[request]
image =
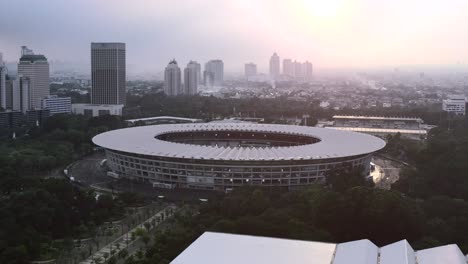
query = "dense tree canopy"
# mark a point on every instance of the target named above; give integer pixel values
(37, 212)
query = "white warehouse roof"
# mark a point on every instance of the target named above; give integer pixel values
(215, 248)
(333, 143)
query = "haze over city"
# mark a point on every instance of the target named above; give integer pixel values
(331, 34)
(233, 131)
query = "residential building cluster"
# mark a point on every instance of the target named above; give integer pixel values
(213, 75)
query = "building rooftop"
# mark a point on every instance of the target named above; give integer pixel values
(378, 118)
(333, 143)
(382, 130)
(193, 120)
(215, 248)
(33, 58)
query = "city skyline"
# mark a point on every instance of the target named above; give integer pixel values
(330, 35)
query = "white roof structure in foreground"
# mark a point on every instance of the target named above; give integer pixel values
(215, 248)
(333, 143)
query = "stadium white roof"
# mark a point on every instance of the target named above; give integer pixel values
(215, 248)
(333, 144)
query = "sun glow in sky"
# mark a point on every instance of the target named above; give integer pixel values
(324, 8)
(330, 33)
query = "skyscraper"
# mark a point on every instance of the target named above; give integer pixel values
(191, 78)
(199, 72)
(274, 66)
(308, 70)
(172, 79)
(3, 72)
(288, 68)
(36, 69)
(18, 93)
(108, 73)
(250, 70)
(216, 68)
(298, 71)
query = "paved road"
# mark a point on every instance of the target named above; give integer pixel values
(125, 241)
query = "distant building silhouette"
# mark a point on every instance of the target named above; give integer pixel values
(288, 68)
(191, 76)
(172, 79)
(250, 70)
(215, 69)
(274, 66)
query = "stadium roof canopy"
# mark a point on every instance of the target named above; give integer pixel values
(332, 144)
(382, 130)
(378, 118)
(214, 248)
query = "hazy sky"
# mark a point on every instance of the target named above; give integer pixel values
(330, 33)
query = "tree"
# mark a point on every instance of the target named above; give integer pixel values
(123, 253)
(146, 239)
(147, 226)
(342, 179)
(112, 260)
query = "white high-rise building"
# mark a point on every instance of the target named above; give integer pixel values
(215, 69)
(298, 71)
(274, 66)
(172, 79)
(191, 78)
(36, 69)
(288, 68)
(250, 70)
(18, 93)
(308, 70)
(199, 72)
(455, 104)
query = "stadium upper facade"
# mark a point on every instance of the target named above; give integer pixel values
(225, 155)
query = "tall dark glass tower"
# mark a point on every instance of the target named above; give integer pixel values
(108, 73)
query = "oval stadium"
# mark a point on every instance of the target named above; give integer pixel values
(222, 156)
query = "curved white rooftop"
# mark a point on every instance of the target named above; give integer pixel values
(333, 144)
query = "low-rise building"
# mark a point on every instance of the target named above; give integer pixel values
(57, 105)
(93, 110)
(455, 104)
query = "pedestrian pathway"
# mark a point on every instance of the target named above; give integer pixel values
(122, 241)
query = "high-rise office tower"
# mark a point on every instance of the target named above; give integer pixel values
(108, 73)
(274, 66)
(172, 79)
(216, 68)
(298, 71)
(250, 70)
(199, 72)
(36, 68)
(3, 74)
(288, 68)
(208, 78)
(18, 96)
(191, 78)
(308, 70)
